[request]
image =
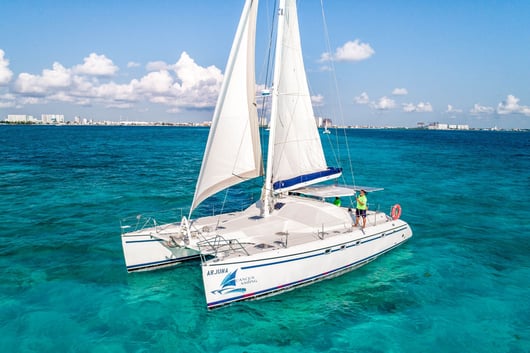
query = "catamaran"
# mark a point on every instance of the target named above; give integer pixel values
(290, 236)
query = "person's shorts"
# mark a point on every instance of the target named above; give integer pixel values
(359, 212)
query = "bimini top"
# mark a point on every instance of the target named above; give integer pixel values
(325, 191)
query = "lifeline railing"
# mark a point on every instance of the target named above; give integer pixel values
(218, 246)
(143, 221)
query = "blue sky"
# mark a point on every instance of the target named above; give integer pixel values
(396, 62)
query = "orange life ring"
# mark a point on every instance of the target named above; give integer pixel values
(396, 211)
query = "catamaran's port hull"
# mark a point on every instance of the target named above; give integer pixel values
(145, 252)
(273, 272)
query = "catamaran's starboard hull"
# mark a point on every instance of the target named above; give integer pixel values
(144, 252)
(261, 275)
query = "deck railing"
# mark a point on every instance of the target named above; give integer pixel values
(220, 247)
(143, 221)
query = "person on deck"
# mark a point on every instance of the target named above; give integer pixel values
(337, 201)
(360, 211)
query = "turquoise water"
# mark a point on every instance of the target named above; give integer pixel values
(461, 284)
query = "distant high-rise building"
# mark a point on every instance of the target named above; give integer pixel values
(52, 118)
(20, 118)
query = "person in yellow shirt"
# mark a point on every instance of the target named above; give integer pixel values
(362, 206)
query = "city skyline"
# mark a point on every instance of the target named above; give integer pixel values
(395, 64)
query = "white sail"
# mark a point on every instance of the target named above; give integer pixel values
(297, 152)
(233, 152)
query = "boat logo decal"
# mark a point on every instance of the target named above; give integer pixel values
(229, 284)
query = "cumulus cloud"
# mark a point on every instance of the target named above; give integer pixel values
(362, 98)
(156, 66)
(400, 92)
(157, 82)
(511, 106)
(481, 109)
(350, 51)
(132, 64)
(180, 86)
(196, 86)
(421, 107)
(317, 100)
(193, 75)
(451, 109)
(384, 103)
(7, 100)
(50, 81)
(96, 65)
(5, 72)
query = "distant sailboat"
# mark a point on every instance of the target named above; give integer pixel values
(290, 237)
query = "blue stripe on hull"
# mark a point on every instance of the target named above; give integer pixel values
(144, 241)
(158, 264)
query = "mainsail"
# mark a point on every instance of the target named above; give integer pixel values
(294, 144)
(233, 151)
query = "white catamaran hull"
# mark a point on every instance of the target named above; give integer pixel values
(272, 272)
(146, 252)
(158, 246)
(153, 246)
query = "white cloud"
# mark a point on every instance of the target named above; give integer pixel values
(50, 80)
(5, 72)
(511, 106)
(424, 107)
(112, 92)
(131, 64)
(180, 86)
(6, 104)
(384, 103)
(481, 109)
(408, 107)
(156, 66)
(451, 109)
(421, 107)
(196, 86)
(7, 100)
(350, 51)
(362, 99)
(96, 65)
(192, 74)
(400, 92)
(317, 100)
(158, 82)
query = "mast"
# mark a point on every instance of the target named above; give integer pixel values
(267, 188)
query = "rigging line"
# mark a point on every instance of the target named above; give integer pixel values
(265, 101)
(228, 190)
(341, 111)
(333, 146)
